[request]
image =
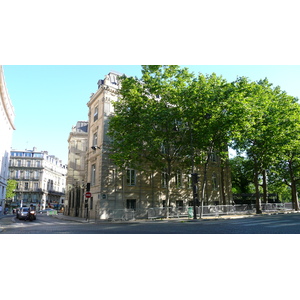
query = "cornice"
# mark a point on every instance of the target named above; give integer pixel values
(103, 88)
(6, 100)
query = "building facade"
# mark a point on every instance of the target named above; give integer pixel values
(74, 202)
(113, 189)
(41, 179)
(7, 116)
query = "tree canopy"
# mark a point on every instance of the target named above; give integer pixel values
(172, 119)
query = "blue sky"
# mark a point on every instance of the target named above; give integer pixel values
(50, 99)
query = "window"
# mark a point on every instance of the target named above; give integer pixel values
(164, 179)
(93, 175)
(214, 182)
(131, 204)
(36, 174)
(131, 177)
(26, 185)
(38, 164)
(96, 113)
(26, 175)
(178, 179)
(36, 186)
(28, 163)
(179, 203)
(17, 175)
(77, 163)
(95, 139)
(213, 157)
(16, 153)
(19, 163)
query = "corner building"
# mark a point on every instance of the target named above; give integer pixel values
(7, 116)
(74, 202)
(113, 189)
(41, 179)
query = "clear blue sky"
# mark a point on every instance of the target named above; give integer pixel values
(50, 99)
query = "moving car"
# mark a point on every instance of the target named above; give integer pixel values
(23, 212)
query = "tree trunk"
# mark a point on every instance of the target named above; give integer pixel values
(295, 196)
(168, 188)
(293, 187)
(258, 203)
(223, 183)
(203, 187)
(265, 191)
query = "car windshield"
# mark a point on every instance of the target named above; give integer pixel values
(25, 209)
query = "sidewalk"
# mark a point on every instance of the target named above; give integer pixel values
(174, 219)
(93, 221)
(73, 219)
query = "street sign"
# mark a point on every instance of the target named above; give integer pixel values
(88, 195)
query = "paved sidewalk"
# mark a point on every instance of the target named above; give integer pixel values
(73, 219)
(183, 219)
(93, 221)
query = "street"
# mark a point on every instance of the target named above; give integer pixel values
(262, 224)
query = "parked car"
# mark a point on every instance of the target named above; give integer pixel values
(44, 211)
(23, 212)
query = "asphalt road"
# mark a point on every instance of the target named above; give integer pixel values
(263, 224)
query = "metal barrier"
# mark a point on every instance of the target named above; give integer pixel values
(122, 214)
(188, 212)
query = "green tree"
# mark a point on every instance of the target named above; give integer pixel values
(241, 175)
(10, 189)
(262, 137)
(146, 129)
(286, 169)
(214, 111)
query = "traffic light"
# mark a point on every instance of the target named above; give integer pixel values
(88, 187)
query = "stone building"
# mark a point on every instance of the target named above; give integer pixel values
(7, 116)
(114, 189)
(41, 178)
(77, 140)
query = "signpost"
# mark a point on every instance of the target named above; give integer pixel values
(87, 196)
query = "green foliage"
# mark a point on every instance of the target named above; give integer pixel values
(171, 118)
(241, 175)
(10, 188)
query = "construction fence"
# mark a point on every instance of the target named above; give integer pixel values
(188, 211)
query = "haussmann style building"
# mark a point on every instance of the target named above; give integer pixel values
(41, 179)
(7, 116)
(113, 189)
(76, 175)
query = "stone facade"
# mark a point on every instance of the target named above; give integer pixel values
(114, 189)
(41, 178)
(7, 116)
(74, 203)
